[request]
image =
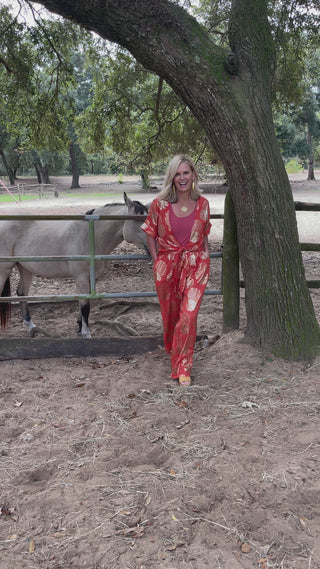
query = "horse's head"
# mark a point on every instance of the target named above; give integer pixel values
(132, 231)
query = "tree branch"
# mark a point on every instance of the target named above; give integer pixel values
(161, 35)
(5, 65)
(156, 112)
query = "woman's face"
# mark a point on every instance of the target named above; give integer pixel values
(183, 178)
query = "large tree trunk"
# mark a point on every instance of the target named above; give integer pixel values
(41, 169)
(74, 167)
(38, 173)
(229, 91)
(45, 175)
(7, 167)
(42, 173)
(311, 175)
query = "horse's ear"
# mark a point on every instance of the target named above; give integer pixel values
(127, 201)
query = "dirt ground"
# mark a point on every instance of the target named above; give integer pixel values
(106, 463)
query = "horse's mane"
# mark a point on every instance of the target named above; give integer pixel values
(139, 208)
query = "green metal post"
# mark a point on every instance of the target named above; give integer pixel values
(92, 260)
(230, 265)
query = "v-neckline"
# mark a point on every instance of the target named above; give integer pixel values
(183, 216)
(194, 211)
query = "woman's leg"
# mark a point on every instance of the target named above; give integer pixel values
(183, 344)
(185, 332)
(170, 309)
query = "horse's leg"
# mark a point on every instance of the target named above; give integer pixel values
(83, 318)
(83, 287)
(79, 320)
(23, 290)
(5, 307)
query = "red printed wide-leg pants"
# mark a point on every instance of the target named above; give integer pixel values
(179, 309)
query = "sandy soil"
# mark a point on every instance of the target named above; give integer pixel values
(107, 464)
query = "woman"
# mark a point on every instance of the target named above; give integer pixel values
(177, 228)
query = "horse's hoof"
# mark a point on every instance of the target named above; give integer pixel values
(36, 330)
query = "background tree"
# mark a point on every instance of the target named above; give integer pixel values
(230, 93)
(38, 85)
(134, 120)
(134, 115)
(310, 108)
(297, 85)
(16, 64)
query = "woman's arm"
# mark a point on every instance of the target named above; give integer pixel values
(152, 246)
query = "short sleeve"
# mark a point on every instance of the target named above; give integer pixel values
(150, 225)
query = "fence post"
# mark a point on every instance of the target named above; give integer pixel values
(230, 267)
(92, 253)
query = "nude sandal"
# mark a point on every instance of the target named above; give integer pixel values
(185, 380)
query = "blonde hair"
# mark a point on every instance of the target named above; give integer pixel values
(167, 193)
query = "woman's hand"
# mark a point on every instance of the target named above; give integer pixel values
(152, 246)
(206, 245)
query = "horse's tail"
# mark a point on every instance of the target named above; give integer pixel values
(5, 307)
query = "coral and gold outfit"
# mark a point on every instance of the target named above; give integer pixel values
(181, 274)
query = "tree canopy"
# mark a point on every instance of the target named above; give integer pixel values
(124, 112)
(81, 90)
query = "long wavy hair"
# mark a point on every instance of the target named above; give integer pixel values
(168, 193)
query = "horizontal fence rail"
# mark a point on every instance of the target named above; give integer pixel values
(303, 206)
(40, 190)
(230, 280)
(91, 258)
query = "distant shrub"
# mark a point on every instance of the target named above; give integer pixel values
(294, 166)
(120, 178)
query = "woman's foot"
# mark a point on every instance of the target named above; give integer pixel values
(185, 380)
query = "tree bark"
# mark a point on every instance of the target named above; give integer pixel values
(145, 180)
(311, 175)
(229, 91)
(7, 167)
(38, 173)
(74, 167)
(41, 170)
(45, 179)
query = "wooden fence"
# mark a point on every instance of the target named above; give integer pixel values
(39, 190)
(230, 290)
(231, 273)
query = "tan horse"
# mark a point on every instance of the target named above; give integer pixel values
(50, 238)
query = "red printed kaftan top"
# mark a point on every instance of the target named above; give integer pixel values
(175, 261)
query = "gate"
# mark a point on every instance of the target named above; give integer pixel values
(44, 347)
(231, 279)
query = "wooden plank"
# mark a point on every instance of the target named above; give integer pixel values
(230, 264)
(310, 284)
(310, 246)
(304, 206)
(313, 284)
(41, 348)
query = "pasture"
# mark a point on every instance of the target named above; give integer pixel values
(107, 464)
